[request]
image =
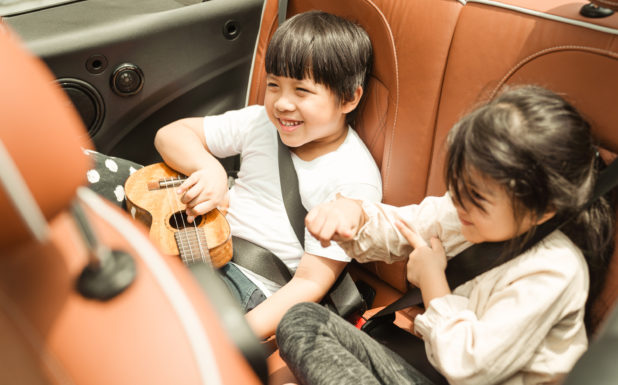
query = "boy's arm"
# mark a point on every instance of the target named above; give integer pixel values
(312, 280)
(183, 147)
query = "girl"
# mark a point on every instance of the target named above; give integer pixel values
(512, 164)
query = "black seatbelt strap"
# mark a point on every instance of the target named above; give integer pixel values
(290, 193)
(283, 10)
(344, 297)
(481, 257)
(260, 261)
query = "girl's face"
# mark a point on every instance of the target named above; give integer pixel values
(495, 221)
(307, 115)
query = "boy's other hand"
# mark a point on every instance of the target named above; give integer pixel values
(337, 221)
(202, 192)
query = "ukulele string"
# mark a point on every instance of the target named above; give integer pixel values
(203, 256)
(172, 201)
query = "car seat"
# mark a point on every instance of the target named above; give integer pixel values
(434, 60)
(143, 318)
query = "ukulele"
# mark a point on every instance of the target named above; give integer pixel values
(152, 200)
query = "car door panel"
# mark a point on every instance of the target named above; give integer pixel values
(194, 59)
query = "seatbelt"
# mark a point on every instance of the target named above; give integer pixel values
(289, 191)
(466, 265)
(481, 257)
(260, 261)
(344, 297)
(283, 10)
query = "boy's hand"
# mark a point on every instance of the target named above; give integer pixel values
(338, 220)
(426, 262)
(202, 191)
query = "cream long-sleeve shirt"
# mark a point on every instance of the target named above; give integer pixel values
(519, 323)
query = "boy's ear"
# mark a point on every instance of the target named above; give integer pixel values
(350, 105)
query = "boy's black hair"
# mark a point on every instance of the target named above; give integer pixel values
(540, 150)
(329, 49)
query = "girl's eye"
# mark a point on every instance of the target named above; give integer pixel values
(477, 197)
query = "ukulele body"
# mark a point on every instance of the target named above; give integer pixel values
(159, 208)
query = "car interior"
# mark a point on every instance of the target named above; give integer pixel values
(128, 68)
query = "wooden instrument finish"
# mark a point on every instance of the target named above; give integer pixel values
(152, 199)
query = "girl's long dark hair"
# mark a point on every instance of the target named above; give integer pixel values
(540, 150)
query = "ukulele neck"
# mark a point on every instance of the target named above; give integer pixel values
(192, 245)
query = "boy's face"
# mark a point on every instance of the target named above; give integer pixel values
(307, 115)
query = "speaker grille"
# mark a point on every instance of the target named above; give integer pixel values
(87, 101)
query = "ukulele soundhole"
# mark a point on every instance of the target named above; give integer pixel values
(179, 221)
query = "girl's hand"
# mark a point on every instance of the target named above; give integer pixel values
(202, 192)
(338, 220)
(425, 261)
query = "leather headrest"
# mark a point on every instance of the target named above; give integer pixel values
(42, 133)
(378, 113)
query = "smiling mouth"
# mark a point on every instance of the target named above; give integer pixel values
(464, 222)
(289, 125)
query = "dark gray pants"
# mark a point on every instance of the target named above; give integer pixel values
(321, 348)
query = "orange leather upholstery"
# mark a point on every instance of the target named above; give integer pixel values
(546, 43)
(411, 40)
(436, 60)
(162, 329)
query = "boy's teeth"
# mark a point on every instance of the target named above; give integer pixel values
(286, 123)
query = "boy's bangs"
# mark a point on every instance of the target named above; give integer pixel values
(290, 58)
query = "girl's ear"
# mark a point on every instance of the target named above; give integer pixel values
(350, 105)
(547, 216)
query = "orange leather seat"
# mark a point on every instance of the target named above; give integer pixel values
(160, 329)
(436, 60)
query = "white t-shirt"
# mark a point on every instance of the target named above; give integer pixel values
(519, 323)
(257, 212)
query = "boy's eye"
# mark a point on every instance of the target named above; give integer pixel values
(300, 89)
(271, 84)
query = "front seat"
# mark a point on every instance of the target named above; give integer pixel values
(85, 298)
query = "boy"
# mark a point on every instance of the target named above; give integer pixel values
(317, 65)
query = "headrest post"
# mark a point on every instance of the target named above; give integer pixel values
(18, 192)
(108, 272)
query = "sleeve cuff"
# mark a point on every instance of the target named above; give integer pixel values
(439, 309)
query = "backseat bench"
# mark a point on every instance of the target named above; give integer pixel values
(437, 59)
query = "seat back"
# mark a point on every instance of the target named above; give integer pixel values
(161, 329)
(549, 44)
(396, 119)
(436, 60)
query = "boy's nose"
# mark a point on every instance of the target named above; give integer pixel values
(284, 104)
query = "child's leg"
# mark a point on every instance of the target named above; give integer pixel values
(241, 287)
(321, 348)
(108, 175)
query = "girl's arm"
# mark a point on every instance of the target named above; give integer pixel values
(526, 315)
(368, 231)
(312, 280)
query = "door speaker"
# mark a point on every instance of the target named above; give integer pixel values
(87, 101)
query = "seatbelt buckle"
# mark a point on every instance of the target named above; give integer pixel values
(359, 322)
(374, 321)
